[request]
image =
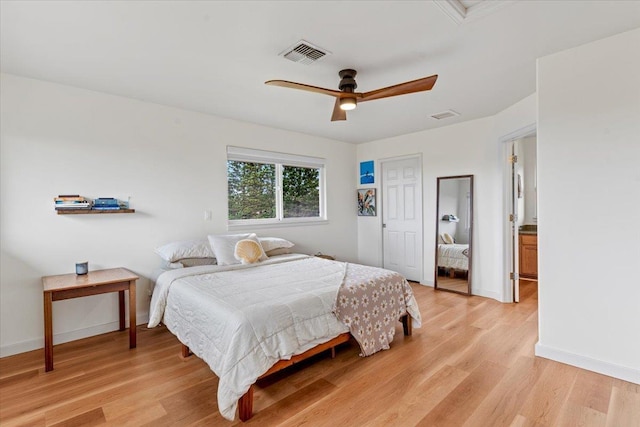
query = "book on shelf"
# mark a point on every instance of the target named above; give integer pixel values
(105, 201)
(73, 208)
(72, 203)
(69, 197)
(106, 208)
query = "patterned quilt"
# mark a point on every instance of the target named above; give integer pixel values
(370, 302)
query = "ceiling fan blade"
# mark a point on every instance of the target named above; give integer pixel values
(338, 113)
(309, 88)
(419, 85)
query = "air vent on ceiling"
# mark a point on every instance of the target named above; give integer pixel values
(445, 115)
(304, 53)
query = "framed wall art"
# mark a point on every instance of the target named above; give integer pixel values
(367, 175)
(367, 202)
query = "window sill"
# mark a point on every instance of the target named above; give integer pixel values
(244, 225)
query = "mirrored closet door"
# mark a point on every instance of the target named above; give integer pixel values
(454, 231)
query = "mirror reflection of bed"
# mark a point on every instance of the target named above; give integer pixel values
(454, 229)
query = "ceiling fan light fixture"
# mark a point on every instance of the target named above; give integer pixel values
(347, 104)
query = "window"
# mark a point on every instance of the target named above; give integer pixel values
(266, 187)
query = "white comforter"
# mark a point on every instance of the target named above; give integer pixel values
(219, 312)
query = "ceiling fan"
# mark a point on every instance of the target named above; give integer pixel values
(347, 99)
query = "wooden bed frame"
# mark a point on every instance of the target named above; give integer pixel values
(245, 403)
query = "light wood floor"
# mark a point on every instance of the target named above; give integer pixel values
(470, 364)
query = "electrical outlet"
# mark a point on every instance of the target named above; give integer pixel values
(207, 215)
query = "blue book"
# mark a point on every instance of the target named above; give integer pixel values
(103, 201)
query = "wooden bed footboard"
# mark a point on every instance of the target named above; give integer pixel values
(245, 403)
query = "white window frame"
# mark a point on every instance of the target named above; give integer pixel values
(280, 160)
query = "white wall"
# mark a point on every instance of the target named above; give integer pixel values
(588, 186)
(57, 139)
(472, 147)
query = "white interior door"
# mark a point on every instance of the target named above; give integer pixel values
(402, 216)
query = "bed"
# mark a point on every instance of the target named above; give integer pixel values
(246, 321)
(453, 256)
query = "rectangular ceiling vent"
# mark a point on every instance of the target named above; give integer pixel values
(304, 53)
(445, 115)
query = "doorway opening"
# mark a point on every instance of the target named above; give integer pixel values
(520, 211)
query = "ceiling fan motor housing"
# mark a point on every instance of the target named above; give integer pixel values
(347, 82)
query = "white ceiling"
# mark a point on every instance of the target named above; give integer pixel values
(214, 57)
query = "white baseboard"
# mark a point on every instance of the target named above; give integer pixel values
(38, 343)
(584, 362)
(487, 294)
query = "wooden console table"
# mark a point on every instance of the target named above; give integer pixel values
(66, 286)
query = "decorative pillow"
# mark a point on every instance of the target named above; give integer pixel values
(175, 251)
(279, 251)
(271, 243)
(224, 246)
(447, 238)
(248, 251)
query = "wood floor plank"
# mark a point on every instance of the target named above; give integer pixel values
(624, 406)
(461, 402)
(94, 417)
(592, 390)
(280, 412)
(549, 394)
(521, 421)
(574, 415)
(502, 404)
(420, 400)
(142, 414)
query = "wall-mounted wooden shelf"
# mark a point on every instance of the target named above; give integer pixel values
(93, 211)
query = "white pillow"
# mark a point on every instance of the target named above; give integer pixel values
(224, 246)
(279, 251)
(271, 243)
(447, 238)
(175, 251)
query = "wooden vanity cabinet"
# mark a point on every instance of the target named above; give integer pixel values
(528, 256)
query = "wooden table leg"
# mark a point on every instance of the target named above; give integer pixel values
(48, 332)
(132, 314)
(121, 309)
